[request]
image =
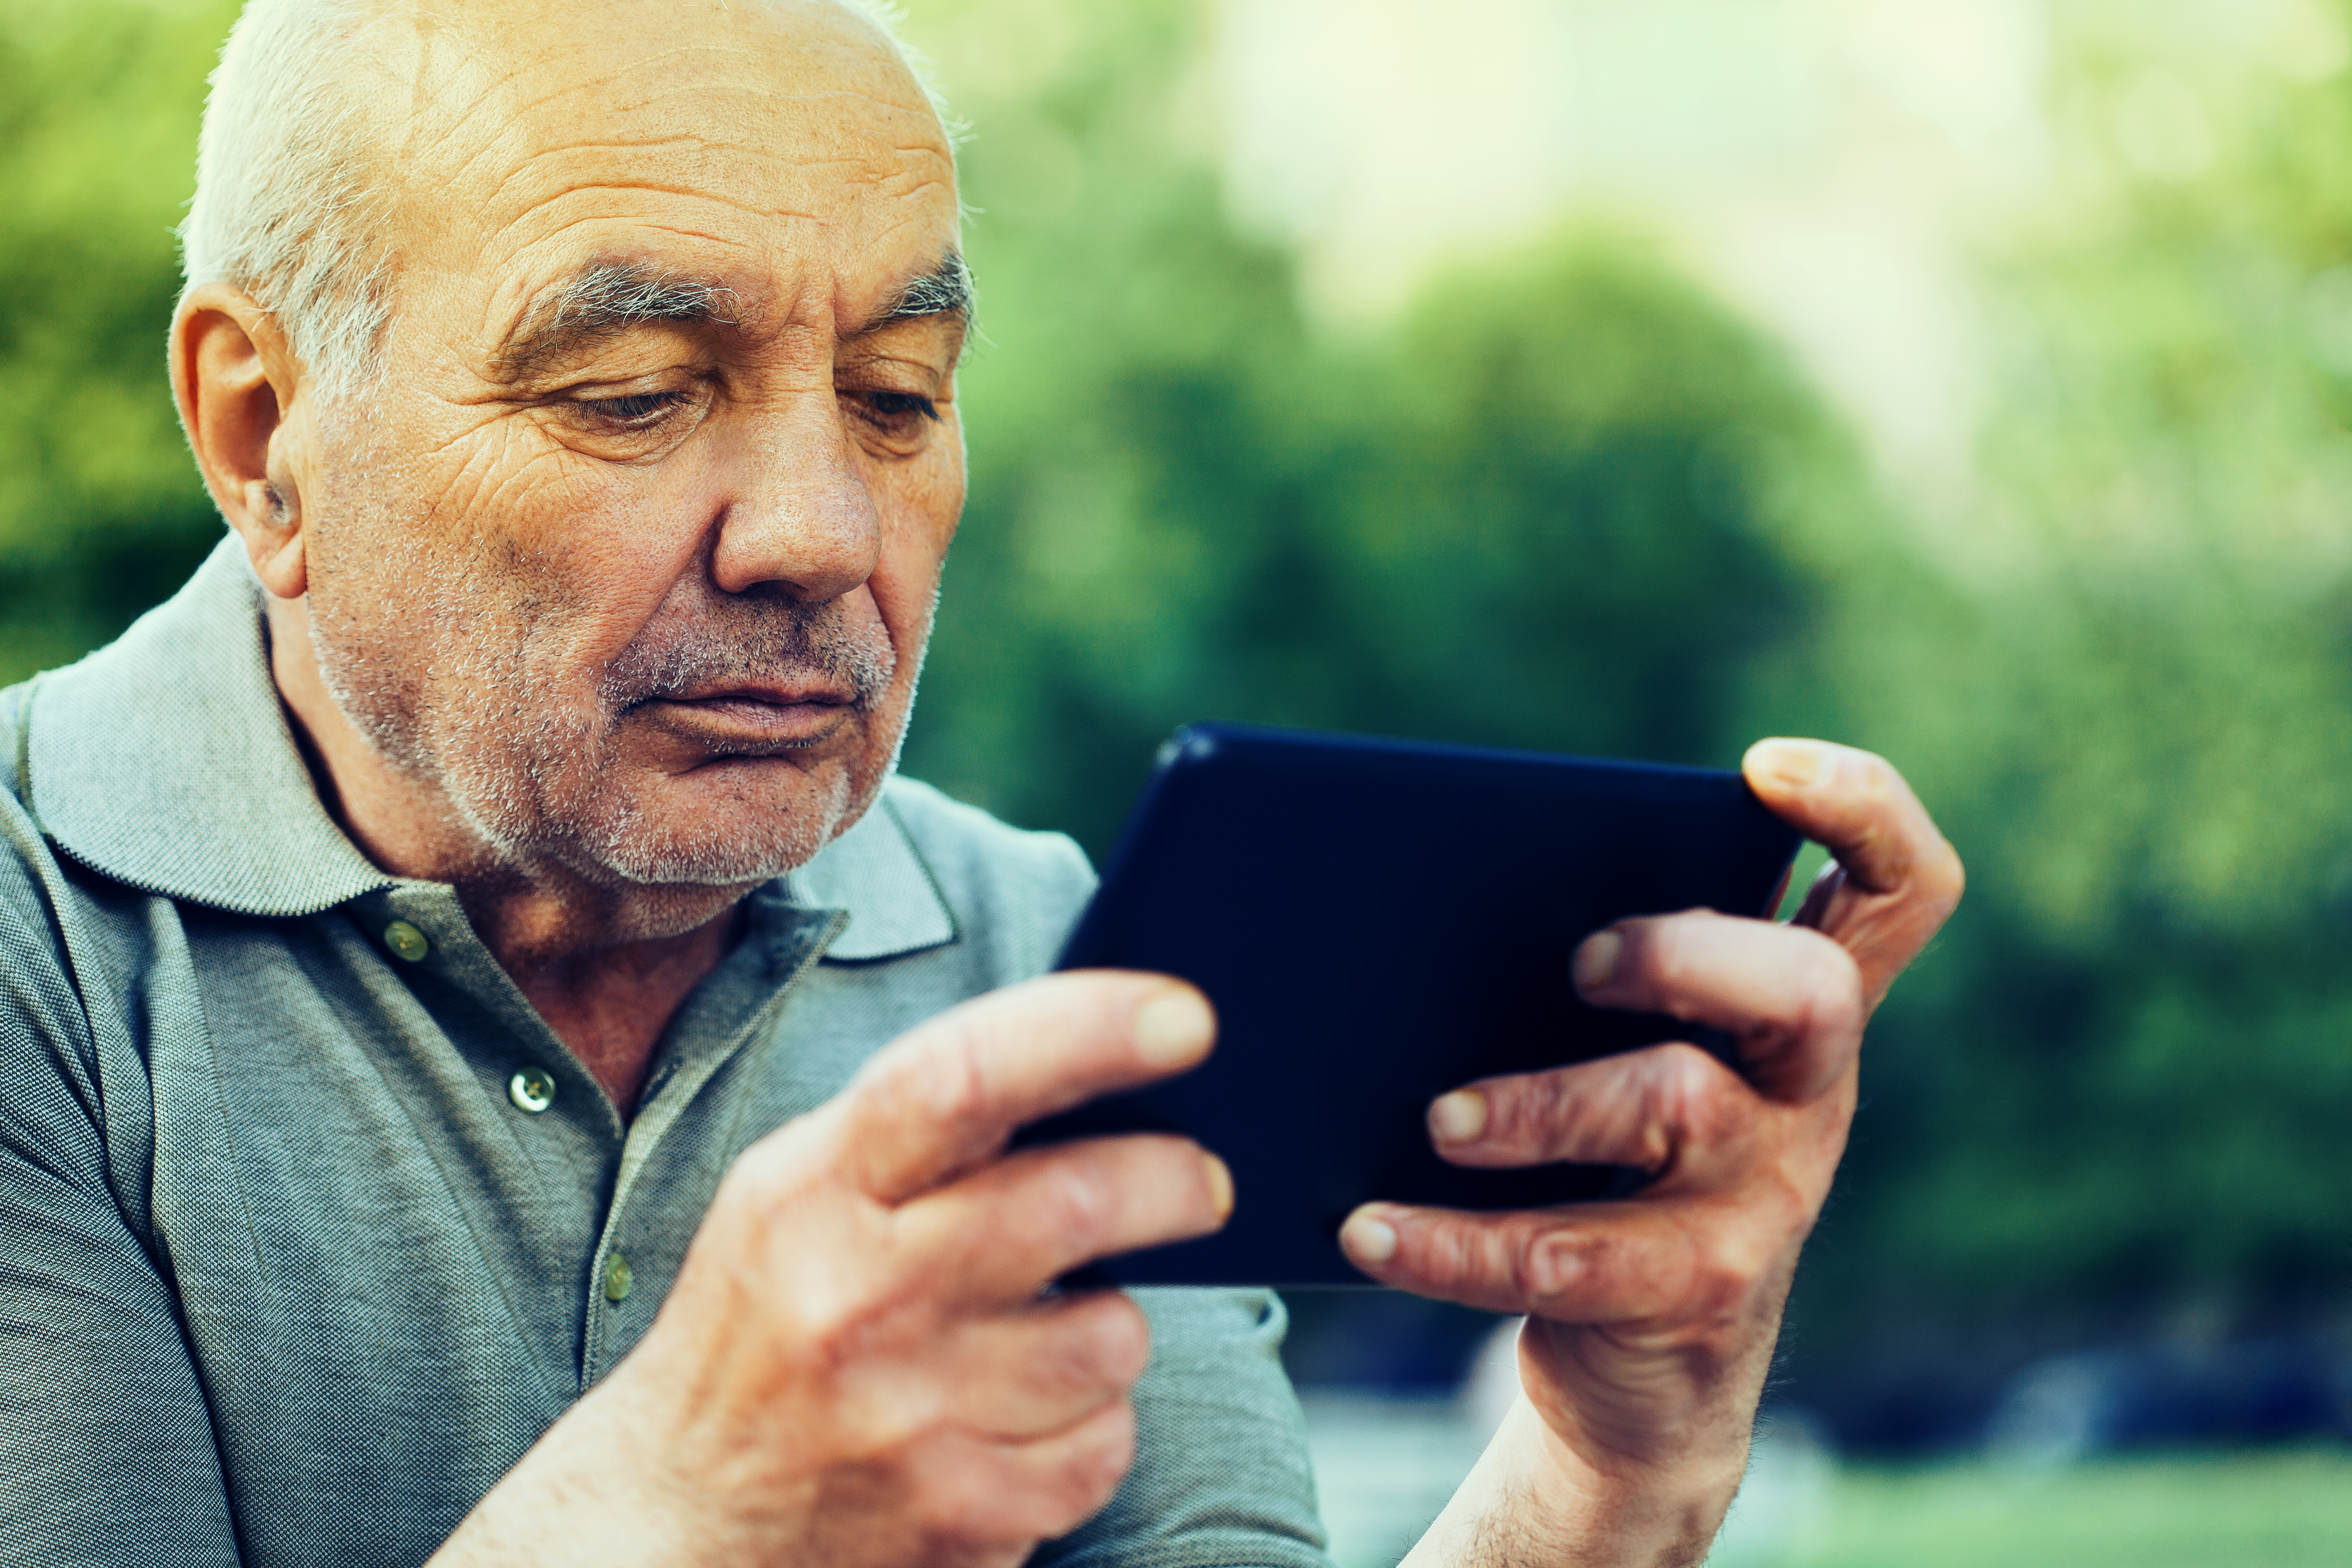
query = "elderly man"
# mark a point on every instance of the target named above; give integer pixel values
(497, 1066)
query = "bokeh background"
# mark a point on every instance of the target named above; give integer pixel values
(1964, 379)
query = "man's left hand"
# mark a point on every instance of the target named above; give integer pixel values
(1652, 1321)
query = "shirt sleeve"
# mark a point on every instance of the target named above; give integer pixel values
(107, 1451)
(1221, 1473)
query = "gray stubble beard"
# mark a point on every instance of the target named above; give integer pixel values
(532, 780)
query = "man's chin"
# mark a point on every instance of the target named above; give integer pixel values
(732, 823)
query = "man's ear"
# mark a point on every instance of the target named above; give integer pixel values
(238, 388)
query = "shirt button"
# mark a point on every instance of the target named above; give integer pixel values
(618, 1279)
(531, 1089)
(405, 940)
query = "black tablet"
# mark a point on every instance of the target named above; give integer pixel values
(1376, 922)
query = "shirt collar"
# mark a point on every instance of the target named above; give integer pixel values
(875, 872)
(165, 760)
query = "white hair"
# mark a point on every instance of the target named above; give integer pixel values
(288, 205)
(291, 204)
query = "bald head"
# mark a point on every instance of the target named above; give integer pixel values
(329, 119)
(580, 377)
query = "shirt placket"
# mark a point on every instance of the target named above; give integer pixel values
(557, 1103)
(620, 1306)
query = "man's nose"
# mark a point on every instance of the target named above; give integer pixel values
(799, 513)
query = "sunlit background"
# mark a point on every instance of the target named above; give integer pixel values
(1965, 379)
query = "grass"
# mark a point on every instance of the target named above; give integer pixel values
(2289, 1509)
(1384, 1466)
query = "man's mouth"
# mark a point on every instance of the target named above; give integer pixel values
(756, 717)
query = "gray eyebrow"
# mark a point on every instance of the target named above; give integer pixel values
(944, 290)
(603, 300)
(608, 297)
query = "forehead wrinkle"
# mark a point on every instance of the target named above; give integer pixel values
(601, 241)
(696, 88)
(816, 109)
(609, 77)
(893, 177)
(478, 81)
(545, 222)
(588, 189)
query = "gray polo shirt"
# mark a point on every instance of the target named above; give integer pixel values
(310, 1225)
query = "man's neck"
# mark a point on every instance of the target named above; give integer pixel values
(605, 968)
(610, 1005)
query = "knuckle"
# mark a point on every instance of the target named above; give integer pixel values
(1521, 1112)
(1104, 1342)
(936, 1076)
(837, 1329)
(1678, 955)
(1660, 960)
(1534, 1267)
(1547, 1264)
(1444, 1253)
(1876, 775)
(1075, 1199)
(1693, 1094)
(949, 1081)
(966, 1512)
(1830, 999)
(1945, 877)
(1096, 1466)
(1720, 1274)
(1845, 1001)
(1744, 1251)
(878, 1419)
(1720, 1294)
(967, 1497)
(1734, 1262)
(1124, 1342)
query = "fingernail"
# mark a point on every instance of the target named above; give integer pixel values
(1174, 1028)
(1458, 1117)
(1793, 764)
(1221, 1184)
(1367, 1238)
(1596, 961)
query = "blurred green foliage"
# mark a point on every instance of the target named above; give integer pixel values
(2123, 1079)
(100, 514)
(1570, 501)
(1553, 506)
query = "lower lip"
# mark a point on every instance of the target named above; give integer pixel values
(749, 719)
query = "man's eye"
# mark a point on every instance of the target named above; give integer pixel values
(637, 409)
(895, 406)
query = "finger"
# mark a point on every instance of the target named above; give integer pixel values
(1692, 1259)
(1791, 998)
(1036, 1371)
(999, 1234)
(968, 1489)
(1664, 1109)
(1897, 880)
(948, 1094)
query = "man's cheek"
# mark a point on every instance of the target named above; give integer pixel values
(590, 586)
(475, 483)
(904, 589)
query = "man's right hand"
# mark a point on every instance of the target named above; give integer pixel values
(857, 1364)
